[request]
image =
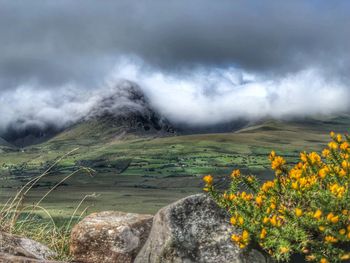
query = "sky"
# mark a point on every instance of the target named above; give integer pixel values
(199, 62)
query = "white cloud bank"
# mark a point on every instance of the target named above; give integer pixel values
(202, 96)
(210, 96)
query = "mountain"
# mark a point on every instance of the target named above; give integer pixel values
(123, 111)
(4, 143)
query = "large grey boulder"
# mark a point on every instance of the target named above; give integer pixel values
(24, 247)
(110, 236)
(194, 230)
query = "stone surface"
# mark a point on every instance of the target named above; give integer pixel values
(194, 230)
(110, 237)
(7, 258)
(20, 246)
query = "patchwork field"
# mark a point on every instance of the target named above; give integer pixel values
(142, 174)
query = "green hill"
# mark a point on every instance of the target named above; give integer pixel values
(140, 169)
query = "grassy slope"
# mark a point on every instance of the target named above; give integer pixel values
(141, 174)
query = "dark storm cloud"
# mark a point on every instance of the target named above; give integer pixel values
(77, 41)
(198, 61)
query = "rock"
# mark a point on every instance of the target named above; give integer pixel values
(110, 237)
(194, 229)
(7, 258)
(20, 246)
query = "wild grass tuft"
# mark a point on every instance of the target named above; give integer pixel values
(35, 221)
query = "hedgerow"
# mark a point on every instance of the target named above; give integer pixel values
(304, 209)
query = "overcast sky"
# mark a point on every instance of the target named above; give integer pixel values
(185, 52)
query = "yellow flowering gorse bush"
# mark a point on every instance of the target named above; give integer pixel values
(304, 209)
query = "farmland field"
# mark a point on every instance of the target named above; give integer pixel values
(142, 174)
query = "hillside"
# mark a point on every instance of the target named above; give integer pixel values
(5, 144)
(141, 170)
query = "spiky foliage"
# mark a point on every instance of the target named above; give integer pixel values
(304, 209)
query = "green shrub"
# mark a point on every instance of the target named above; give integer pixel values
(304, 209)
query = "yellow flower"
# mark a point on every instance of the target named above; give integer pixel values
(277, 163)
(321, 228)
(342, 231)
(337, 190)
(344, 146)
(259, 200)
(345, 164)
(284, 250)
(273, 220)
(332, 218)
(323, 260)
(318, 214)
(273, 206)
(342, 173)
(295, 185)
(267, 185)
(335, 219)
(240, 220)
(266, 220)
(330, 239)
(246, 196)
(208, 179)
(295, 173)
(339, 138)
(232, 196)
(243, 240)
(332, 134)
(303, 157)
(325, 153)
(235, 238)
(263, 233)
(333, 145)
(298, 212)
(233, 220)
(241, 245)
(245, 235)
(302, 182)
(250, 179)
(314, 158)
(235, 174)
(323, 172)
(272, 155)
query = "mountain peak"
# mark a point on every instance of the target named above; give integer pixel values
(127, 106)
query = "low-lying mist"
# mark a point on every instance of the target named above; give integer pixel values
(201, 96)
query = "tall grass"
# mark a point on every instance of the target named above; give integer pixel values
(35, 221)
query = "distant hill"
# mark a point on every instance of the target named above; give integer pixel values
(339, 124)
(125, 112)
(4, 143)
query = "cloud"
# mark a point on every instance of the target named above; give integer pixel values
(207, 96)
(55, 42)
(201, 97)
(199, 61)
